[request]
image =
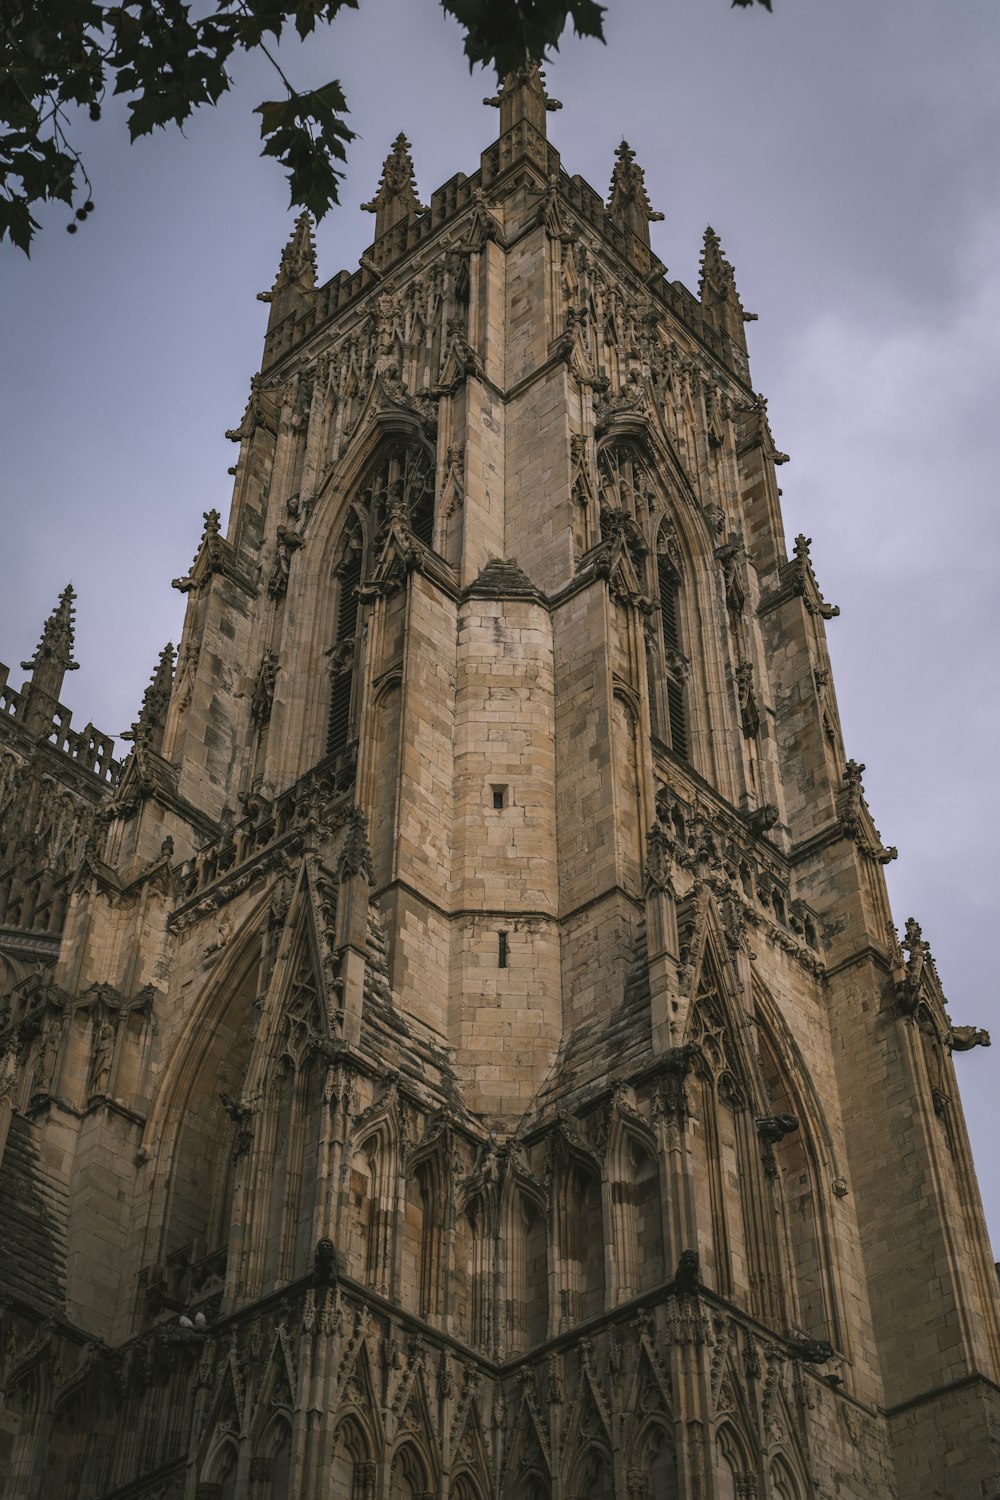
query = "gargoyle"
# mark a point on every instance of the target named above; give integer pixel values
(964, 1038)
(687, 1277)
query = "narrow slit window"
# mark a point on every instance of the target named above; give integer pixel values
(501, 950)
(499, 797)
(668, 585)
(338, 731)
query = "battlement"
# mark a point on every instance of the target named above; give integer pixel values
(89, 748)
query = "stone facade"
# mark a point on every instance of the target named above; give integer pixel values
(465, 1050)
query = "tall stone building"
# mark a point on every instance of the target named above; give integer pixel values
(465, 1050)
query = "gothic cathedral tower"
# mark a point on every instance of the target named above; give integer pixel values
(465, 1051)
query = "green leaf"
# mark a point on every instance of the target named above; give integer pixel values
(16, 223)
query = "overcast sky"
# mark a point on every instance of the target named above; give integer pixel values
(849, 157)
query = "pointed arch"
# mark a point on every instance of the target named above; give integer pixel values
(277, 1200)
(410, 1470)
(271, 1466)
(470, 1463)
(534, 1485)
(352, 1467)
(374, 1196)
(592, 1474)
(635, 1197)
(524, 1253)
(727, 1099)
(220, 1469)
(733, 1462)
(426, 1219)
(653, 1461)
(644, 488)
(193, 1141)
(275, 1397)
(804, 1168)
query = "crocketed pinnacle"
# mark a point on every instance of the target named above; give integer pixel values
(396, 197)
(298, 259)
(716, 272)
(628, 203)
(717, 289)
(55, 649)
(155, 700)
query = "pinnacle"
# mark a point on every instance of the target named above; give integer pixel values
(396, 197)
(56, 644)
(298, 259)
(628, 203)
(523, 96)
(715, 269)
(155, 699)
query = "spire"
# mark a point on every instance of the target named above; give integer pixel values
(396, 197)
(719, 297)
(522, 96)
(148, 729)
(53, 658)
(628, 205)
(298, 259)
(296, 278)
(56, 645)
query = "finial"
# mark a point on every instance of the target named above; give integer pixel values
(522, 96)
(56, 645)
(396, 197)
(628, 204)
(716, 272)
(296, 277)
(717, 289)
(148, 729)
(298, 259)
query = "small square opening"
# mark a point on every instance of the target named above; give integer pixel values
(499, 797)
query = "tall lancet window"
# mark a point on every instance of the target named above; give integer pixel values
(401, 489)
(668, 584)
(394, 507)
(344, 654)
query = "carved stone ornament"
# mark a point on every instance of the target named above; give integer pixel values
(772, 1129)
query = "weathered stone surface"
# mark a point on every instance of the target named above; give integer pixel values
(464, 1050)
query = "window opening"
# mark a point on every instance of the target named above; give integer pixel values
(669, 585)
(499, 797)
(342, 675)
(502, 950)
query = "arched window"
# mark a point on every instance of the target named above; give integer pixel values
(397, 495)
(580, 1238)
(352, 1472)
(526, 1243)
(409, 1478)
(793, 1168)
(637, 1235)
(345, 647)
(653, 1475)
(668, 586)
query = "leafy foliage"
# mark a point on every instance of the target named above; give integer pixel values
(167, 57)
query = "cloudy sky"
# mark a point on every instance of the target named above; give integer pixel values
(848, 156)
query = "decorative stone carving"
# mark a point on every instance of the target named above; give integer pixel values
(772, 1129)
